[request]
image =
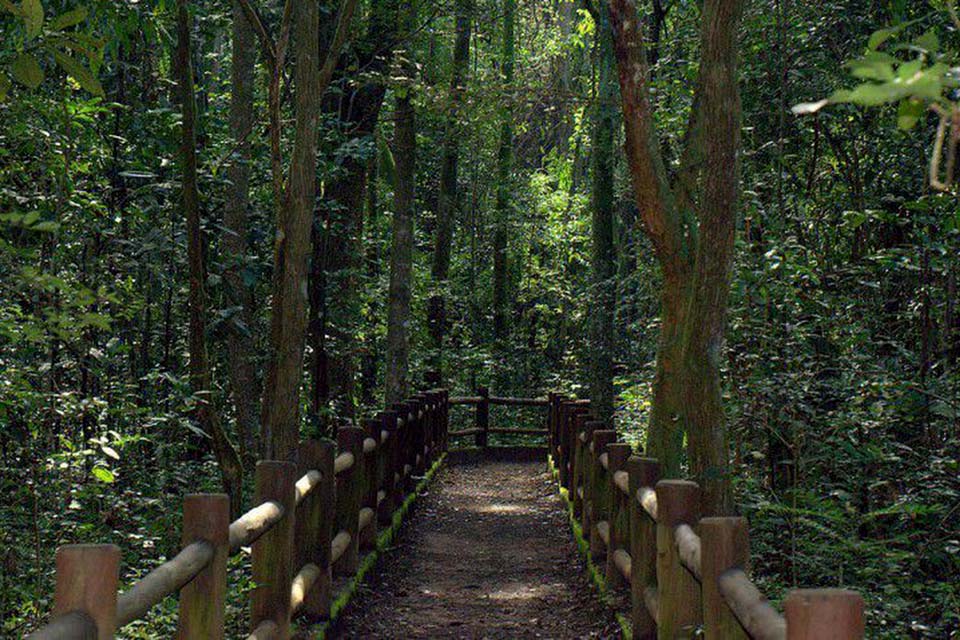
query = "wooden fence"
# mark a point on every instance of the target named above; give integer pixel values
(481, 428)
(683, 571)
(312, 519)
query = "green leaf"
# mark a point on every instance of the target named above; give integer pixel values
(32, 12)
(79, 73)
(873, 66)
(69, 19)
(929, 42)
(46, 226)
(908, 113)
(103, 474)
(26, 70)
(5, 85)
(9, 6)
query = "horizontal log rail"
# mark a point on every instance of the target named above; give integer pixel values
(290, 533)
(482, 429)
(683, 572)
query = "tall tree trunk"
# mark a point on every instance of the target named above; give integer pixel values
(231, 470)
(241, 346)
(335, 288)
(401, 253)
(448, 200)
(280, 411)
(691, 225)
(603, 302)
(707, 312)
(504, 168)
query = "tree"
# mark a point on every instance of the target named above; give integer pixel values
(401, 254)
(244, 385)
(280, 409)
(690, 221)
(231, 470)
(448, 199)
(504, 169)
(604, 257)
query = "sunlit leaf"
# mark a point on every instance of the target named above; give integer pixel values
(103, 474)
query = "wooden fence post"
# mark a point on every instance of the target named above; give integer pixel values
(205, 517)
(483, 416)
(617, 454)
(393, 469)
(349, 496)
(725, 545)
(584, 425)
(678, 502)
(446, 419)
(644, 472)
(564, 442)
(596, 492)
(824, 614)
(87, 576)
(314, 525)
(273, 553)
(372, 476)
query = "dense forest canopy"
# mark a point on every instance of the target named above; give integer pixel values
(225, 225)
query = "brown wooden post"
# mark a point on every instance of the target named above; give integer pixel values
(272, 560)
(314, 525)
(644, 472)
(596, 494)
(87, 576)
(678, 502)
(725, 545)
(393, 466)
(483, 417)
(402, 444)
(206, 517)
(617, 454)
(584, 425)
(371, 475)
(349, 496)
(551, 434)
(418, 434)
(446, 419)
(824, 614)
(562, 452)
(565, 428)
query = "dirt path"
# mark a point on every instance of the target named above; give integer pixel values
(487, 553)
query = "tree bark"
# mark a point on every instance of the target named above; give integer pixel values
(231, 471)
(504, 169)
(280, 410)
(704, 331)
(603, 302)
(397, 378)
(695, 253)
(401, 255)
(448, 199)
(241, 345)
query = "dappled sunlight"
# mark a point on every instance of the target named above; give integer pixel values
(524, 591)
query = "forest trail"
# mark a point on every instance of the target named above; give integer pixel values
(487, 553)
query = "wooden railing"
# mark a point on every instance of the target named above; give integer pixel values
(312, 519)
(683, 571)
(481, 429)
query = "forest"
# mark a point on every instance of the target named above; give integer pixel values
(732, 225)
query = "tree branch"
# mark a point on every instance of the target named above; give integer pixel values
(653, 193)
